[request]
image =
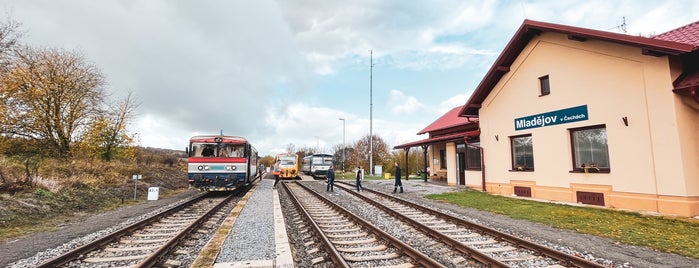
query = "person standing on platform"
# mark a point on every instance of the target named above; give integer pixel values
(277, 171)
(398, 183)
(360, 178)
(331, 179)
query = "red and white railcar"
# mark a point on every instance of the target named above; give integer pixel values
(221, 163)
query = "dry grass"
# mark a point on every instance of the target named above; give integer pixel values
(60, 191)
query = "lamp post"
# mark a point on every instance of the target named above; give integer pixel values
(343, 144)
(371, 112)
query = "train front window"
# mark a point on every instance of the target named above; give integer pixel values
(287, 161)
(203, 149)
(328, 160)
(231, 150)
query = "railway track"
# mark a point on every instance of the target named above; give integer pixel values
(486, 245)
(344, 239)
(148, 242)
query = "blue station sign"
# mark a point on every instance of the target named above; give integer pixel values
(568, 115)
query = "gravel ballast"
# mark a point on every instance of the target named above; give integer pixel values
(32, 249)
(607, 251)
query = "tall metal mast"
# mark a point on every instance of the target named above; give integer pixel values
(371, 111)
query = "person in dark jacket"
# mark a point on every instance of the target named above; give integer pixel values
(277, 171)
(360, 178)
(331, 179)
(398, 183)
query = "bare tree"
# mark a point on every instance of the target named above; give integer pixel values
(290, 148)
(359, 156)
(52, 95)
(9, 36)
(107, 135)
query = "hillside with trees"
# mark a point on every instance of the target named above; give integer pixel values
(64, 148)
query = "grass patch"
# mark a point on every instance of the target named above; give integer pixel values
(42, 211)
(667, 234)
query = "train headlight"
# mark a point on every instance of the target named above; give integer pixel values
(206, 167)
(230, 167)
(200, 167)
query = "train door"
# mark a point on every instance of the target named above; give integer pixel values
(461, 163)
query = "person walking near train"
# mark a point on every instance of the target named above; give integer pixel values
(360, 178)
(331, 179)
(277, 171)
(398, 183)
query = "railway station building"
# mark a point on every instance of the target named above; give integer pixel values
(585, 116)
(452, 147)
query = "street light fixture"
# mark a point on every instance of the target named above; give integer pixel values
(343, 144)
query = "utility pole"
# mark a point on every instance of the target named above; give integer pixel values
(371, 112)
(343, 144)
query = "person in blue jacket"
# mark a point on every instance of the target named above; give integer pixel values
(331, 179)
(398, 183)
(359, 179)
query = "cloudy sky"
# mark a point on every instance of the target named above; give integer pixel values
(284, 72)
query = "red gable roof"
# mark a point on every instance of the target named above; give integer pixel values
(448, 120)
(530, 28)
(688, 34)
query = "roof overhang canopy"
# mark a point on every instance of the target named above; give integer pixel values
(438, 139)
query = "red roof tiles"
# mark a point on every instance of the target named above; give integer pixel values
(688, 34)
(448, 120)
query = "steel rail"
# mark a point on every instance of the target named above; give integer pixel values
(335, 255)
(465, 249)
(564, 258)
(423, 259)
(111, 237)
(156, 256)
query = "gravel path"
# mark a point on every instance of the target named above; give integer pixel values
(255, 223)
(68, 235)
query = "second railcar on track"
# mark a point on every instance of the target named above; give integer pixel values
(317, 165)
(289, 166)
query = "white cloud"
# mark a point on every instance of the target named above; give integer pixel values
(333, 31)
(455, 101)
(281, 72)
(402, 104)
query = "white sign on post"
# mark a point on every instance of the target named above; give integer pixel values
(135, 185)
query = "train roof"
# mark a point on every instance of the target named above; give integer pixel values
(224, 139)
(322, 155)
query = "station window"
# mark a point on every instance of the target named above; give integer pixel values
(522, 153)
(473, 157)
(443, 159)
(544, 85)
(590, 151)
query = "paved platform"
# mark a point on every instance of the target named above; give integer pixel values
(258, 235)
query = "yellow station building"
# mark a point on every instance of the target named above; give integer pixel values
(585, 116)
